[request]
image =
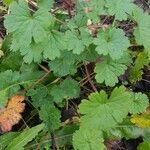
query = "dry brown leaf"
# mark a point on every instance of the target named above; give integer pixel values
(10, 115)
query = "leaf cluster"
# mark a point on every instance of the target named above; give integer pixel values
(74, 57)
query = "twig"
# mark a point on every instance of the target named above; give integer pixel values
(86, 78)
(146, 81)
(81, 85)
(89, 79)
(42, 78)
(60, 21)
(54, 145)
(44, 68)
(38, 81)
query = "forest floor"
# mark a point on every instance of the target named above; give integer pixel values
(143, 85)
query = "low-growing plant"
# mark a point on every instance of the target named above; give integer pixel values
(67, 73)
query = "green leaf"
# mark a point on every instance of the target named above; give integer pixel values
(7, 43)
(136, 71)
(141, 33)
(97, 8)
(7, 80)
(64, 65)
(50, 115)
(77, 43)
(121, 9)
(26, 136)
(32, 53)
(101, 112)
(11, 81)
(141, 61)
(39, 96)
(8, 62)
(126, 130)
(46, 4)
(73, 43)
(140, 103)
(41, 100)
(66, 132)
(109, 70)
(144, 146)
(7, 2)
(7, 138)
(33, 26)
(21, 21)
(78, 21)
(84, 139)
(53, 45)
(68, 89)
(89, 54)
(113, 42)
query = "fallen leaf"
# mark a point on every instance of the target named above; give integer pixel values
(11, 115)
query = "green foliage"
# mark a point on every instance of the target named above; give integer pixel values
(112, 42)
(36, 35)
(120, 9)
(68, 89)
(84, 139)
(7, 2)
(8, 79)
(64, 65)
(39, 96)
(77, 43)
(126, 130)
(53, 43)
(103, 113)
(11, 81)
(50, 115)
(33, 26)
(144, 146)
(7, 138)
(58, 54)
(46, 4)
(23, 138)
(140, 32)
(140, 103)
(99, 110)
(97, 9)
(136, 71)
(67, 131)
(109, 70)
(8, 62)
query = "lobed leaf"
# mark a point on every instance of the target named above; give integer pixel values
(50, 115)
(121, 9)
(64, 65)
(101, 112)
(68, 89)
(143, 25)
(111, 42)
(109, 70)
(84, 139)
(140, 103)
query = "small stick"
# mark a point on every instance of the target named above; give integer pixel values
(89, 79)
